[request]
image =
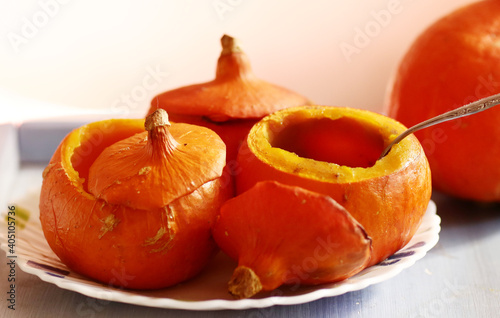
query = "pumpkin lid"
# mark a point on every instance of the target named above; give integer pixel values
(153, 168)
(272, 228)
(235, 93)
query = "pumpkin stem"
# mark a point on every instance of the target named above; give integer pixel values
(229, 45)
(156, 119)
(159, 137)
(233, 62)
(244, 283)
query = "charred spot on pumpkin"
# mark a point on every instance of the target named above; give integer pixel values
(343, 141)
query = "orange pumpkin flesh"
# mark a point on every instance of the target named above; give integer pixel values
(388, 197)
(231, 103)
(283, 234)
(127, 244)
(313, 139)
(452, 63)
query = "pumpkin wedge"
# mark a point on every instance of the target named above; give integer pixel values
(134, 208)
(282, 234)
(334, 151)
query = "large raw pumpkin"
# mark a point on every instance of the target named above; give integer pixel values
(335, 151)
(229, 104)
(134, 208)
(453, 62)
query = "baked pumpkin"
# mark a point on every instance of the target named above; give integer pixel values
(229, 104)
(335, 151)
(134, 208)
(282, 234)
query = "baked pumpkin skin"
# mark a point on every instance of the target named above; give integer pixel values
(231, 103)
(282, 234)
(452, 63)
(300, 146)
(116, 244)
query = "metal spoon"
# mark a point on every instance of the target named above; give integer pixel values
(469, 109)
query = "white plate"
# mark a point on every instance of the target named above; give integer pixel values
(208, 290)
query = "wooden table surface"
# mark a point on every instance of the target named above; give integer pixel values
(459, 277)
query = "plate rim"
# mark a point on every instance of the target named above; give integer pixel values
(103, 292)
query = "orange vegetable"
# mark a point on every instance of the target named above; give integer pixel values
(452, 63)
(134, 208)
(229, 104)
(334, 151)
(283, 234)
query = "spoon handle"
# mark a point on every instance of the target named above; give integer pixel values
(469, 109)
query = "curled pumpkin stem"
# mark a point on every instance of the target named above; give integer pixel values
(244, 283)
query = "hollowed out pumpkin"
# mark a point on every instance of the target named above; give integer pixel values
(334, 151)
(134, 208)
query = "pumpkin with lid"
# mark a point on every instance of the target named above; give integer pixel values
(232, 102)
(134, 208)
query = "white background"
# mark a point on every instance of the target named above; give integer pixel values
(73, 56)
